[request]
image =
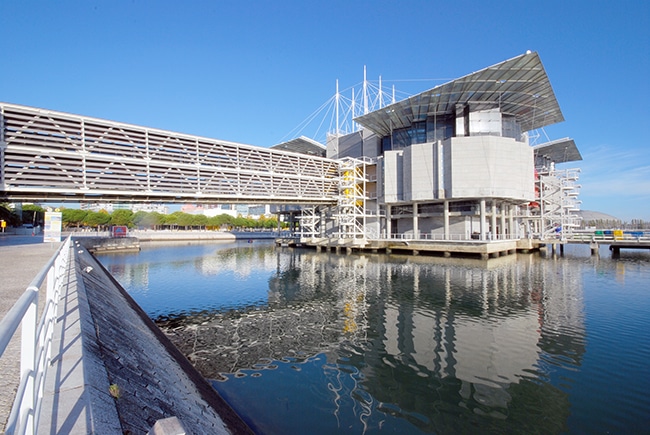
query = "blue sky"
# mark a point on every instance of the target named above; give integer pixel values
(252, 71)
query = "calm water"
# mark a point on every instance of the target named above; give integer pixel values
(304, 342)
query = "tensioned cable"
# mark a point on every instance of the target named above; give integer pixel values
(379, 97)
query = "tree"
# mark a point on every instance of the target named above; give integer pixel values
(184, 219)
(73, 217)
(97, 219)
(33, 207)
(149, 220)
(199, 220)
(122, 217)
(219, 221)
(171, 220)
(270, 223)
(139, 218)
(241, 222)
(32, 213)
(8, 216)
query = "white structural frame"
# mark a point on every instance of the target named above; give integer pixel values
(58, 156)
(350, 214)
(558, 203)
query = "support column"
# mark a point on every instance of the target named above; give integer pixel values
(445, 216)
(511, 223)
(416, 229)
(493, 221)
(321, 224)
(389, 221)
(503, 222)
(481, 223)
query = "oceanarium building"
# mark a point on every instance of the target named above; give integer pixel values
(456, 162)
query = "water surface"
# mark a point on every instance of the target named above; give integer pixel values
(304, 342)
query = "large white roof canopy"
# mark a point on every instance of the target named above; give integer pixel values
(519, 86)
(559, 151)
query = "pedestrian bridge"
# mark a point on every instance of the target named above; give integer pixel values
(47, 155)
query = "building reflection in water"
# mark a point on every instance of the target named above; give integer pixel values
(418, 327)
(414, 336)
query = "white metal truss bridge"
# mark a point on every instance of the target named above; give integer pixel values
(53, 156)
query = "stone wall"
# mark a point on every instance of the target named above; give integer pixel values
(148, 378)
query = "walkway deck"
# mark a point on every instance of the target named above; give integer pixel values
(616, 240)
(446, 248)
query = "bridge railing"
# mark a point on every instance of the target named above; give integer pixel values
(607, 236)
(452, 237)
(36, 340)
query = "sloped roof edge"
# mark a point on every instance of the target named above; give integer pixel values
(519, 86)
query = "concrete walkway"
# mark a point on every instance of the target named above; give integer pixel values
(112, 370)
(21, 258)
(118, 345)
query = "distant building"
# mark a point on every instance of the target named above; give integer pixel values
(234, 210)
(135, 207)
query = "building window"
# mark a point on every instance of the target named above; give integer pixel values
(511, 128)
(485, 123)
(489, 122)
(439, 127)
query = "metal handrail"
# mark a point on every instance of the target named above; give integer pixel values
(36, 340)
(610, 236)
(450, 237)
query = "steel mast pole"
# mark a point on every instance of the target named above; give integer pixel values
(337, 107)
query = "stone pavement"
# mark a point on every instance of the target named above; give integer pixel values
(21, 258)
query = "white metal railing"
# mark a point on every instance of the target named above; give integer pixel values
(451, 237)
(610, 236)
(36, 340)
(89, 233)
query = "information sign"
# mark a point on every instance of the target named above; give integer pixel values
(52, 230)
